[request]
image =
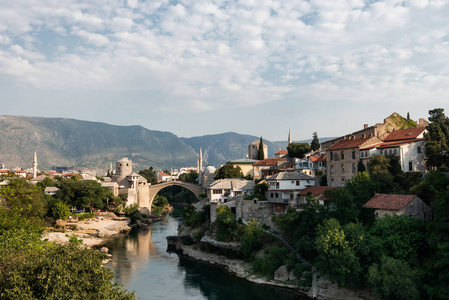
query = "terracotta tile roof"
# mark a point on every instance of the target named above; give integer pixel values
(163, 174)
(390, 201)
(404, 134)
(316, 159)
(348, 144)
(282, 152)
(398, 143)
(269, 162)
(316, 191)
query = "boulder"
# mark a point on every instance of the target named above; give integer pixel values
(281, 274)
(291, 275)
(104, 250)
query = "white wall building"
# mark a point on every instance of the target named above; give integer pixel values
(284, 187)
(220, 190)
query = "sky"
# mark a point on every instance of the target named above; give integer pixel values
(199, 67)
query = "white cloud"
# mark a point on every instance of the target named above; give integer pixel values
(210, 55)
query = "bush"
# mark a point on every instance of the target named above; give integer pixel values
(252, 238)
(83, 216)
(393, 279)
(274, 257)
(60, 211)
(226, 223)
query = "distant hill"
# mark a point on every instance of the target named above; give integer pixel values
(94, 145)
(68, 142)
(220, 148)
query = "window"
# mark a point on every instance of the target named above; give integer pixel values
(272, 195)
(277, 195)
(419, 150)
(353, 168)
(297, 182)
(291, 196)
(342, 155)
(292, 181)
(342, 169)
(390, 152)
(332, 155)
(381, 151)
(410, 166)
(332, 169)
(353, 154)
(362, 154)
(217, 192)
(395, 151)
(343, 179)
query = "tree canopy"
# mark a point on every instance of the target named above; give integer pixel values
(298, 149)
(190, 177)
(437, 139)
(229, 171)
(315, 145)
(149, 175)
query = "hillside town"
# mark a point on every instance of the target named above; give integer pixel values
(383, 180)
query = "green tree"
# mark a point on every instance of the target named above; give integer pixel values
(229, 171)
(298, 149)
(315, 145)
(23, 197)
(437, 139)
(190, 177)
(251, 241)
(225, 223)
(336, 257)
(60, 211)
(149, 175)
(393, 279)
(261, 154)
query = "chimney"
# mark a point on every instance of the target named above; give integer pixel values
(365, 126)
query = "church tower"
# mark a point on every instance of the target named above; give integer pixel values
(289, 137)
(35, 165)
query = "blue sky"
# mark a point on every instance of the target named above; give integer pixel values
(199, 67)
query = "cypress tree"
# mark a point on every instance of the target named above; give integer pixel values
(261, 155)
(315, 145)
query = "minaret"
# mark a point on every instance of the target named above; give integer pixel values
(35, 165)
(289, 137)
(200, 162)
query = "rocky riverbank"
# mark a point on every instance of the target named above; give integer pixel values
(323, 289)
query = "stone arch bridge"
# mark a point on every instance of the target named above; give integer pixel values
(154, 189)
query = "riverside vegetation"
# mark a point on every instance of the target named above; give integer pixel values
(396, 257)
(31, 268)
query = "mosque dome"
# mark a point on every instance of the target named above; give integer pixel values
(209, 169)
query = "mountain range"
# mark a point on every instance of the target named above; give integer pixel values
(94, 145)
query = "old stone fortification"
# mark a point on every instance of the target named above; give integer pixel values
(246, 209)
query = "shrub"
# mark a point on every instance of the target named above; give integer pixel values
(226, 223)
(60, 211)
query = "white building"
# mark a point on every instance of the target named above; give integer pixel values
(408, 146)
(284, 187)
(221, 190)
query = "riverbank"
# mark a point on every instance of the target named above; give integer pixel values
(324, 289)
(95, 231)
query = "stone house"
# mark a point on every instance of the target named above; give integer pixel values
(399, 205)
(379, 130)
(311, 163)
(284, 187)
(221, 190)
(268, 167)
(280, 154)
(342, 158)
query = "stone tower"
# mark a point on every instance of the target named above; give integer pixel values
(35, 165)
(124, 167)
(289, 137)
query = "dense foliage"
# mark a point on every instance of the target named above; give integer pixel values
(298, 149)
(229, 171)
(149, 175)
(437, 139)
(190, 177)
(34, 269)
(261, 153)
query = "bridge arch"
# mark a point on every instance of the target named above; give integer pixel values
(154, 189)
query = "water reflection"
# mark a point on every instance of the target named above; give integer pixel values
(141, 263)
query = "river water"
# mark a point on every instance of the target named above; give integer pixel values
(141, 263)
